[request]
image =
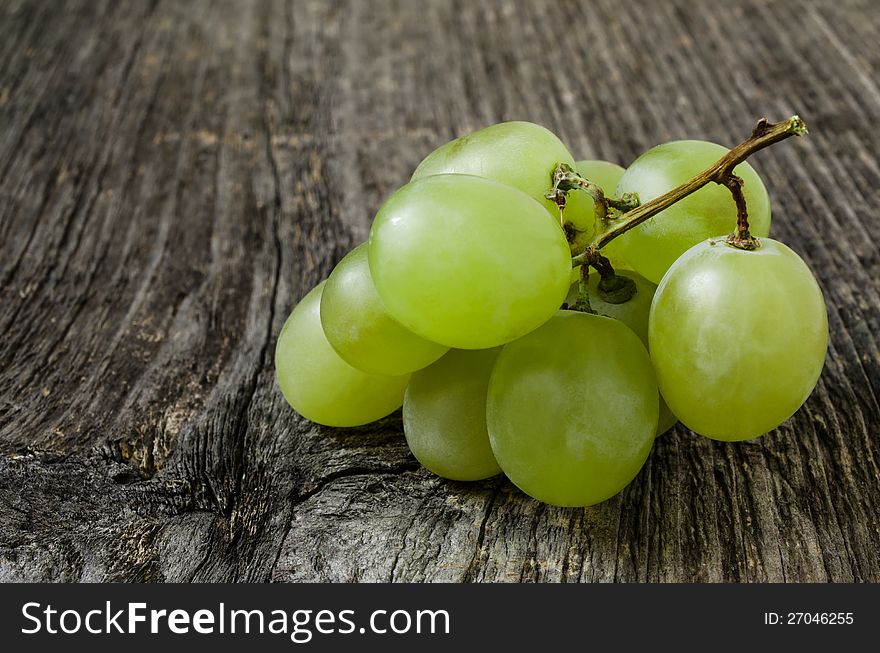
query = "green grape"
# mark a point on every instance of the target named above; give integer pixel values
(572, 409)
(738, 338)
(580, 208)
(654, 245)
(468, 262)
(634, 314)
(361, 330)
(519, 154)
(318, 384)
(444, 415)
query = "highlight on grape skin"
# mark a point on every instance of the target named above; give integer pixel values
(506, 299)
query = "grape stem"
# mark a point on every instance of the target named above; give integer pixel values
(721, 172)
(742, 237)
(566, 179)
(583, 299)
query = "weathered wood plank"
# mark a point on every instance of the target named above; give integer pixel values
(174, 176)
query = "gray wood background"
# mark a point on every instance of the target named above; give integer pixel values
(174, 176)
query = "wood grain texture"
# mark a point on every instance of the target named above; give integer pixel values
(175, 176)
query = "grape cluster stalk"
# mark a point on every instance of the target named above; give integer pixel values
(451, 310)
(721, 173)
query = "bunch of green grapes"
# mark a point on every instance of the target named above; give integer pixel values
(460, 309)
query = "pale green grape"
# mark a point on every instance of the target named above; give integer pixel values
(444, 415)
(654, 245)
(572, 409)
(738, 338)
(634, 314)
(580, 208)
(361, 330)
(321, 386)
(468, 262)
(519, 154)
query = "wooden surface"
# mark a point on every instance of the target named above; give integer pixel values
(174, 176)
